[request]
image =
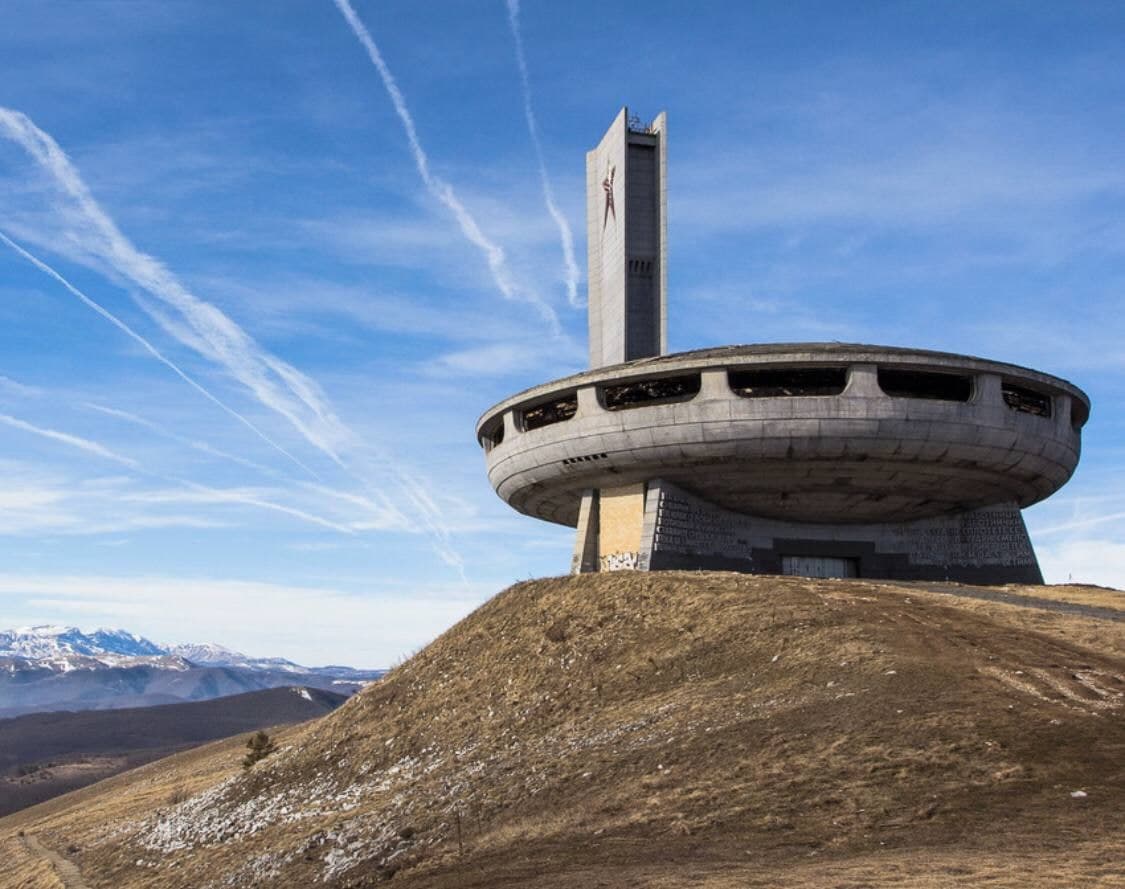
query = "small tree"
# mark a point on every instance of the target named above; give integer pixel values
(258, 747)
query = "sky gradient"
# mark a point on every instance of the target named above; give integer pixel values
(264, 264)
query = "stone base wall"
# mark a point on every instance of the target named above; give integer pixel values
(683, 531)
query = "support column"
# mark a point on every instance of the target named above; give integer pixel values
(585, 558)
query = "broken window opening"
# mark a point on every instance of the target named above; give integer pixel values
(925, 384)
(1026, 401)
(493, 435)
(641, 392)
(788, 382)
(555, 411)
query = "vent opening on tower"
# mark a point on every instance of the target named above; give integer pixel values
(641, 392)
(925, 384)
(1026, 401)
(787, 382)
(549, 412)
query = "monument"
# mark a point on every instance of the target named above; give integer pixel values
(816, 459)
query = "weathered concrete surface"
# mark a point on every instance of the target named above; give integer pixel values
(988, 545)
(858, 457)
(626, 213)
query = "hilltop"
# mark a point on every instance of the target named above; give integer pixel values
(660, 730)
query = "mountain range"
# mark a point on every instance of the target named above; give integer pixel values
(47, 668)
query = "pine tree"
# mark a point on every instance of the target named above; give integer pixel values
(259, 747)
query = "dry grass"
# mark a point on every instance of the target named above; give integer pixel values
(664, 730)
(22, 870)
(1079, 594)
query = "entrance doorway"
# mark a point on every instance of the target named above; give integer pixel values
(819, 566)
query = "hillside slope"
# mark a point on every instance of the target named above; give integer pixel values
(662, 730)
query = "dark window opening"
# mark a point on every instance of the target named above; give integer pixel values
(788, 382)
(1026, 401)
(925, 384)
(493, 435)
(642, 392)
(555, 411)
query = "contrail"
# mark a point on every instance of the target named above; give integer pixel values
(208, 495)
(74, 441)
(207, 330)
(150, 348)
(438, 187)
(201, 446)
(210, 332)
(565, 236)
(204, 493)
(383, 509)
(1080, 523)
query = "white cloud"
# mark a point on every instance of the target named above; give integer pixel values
(1091, 560)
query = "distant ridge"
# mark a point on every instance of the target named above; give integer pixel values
(48, 668)
(45, 754)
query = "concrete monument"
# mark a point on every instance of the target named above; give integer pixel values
(811, 458)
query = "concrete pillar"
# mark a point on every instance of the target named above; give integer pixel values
(585, 558)
(1060, 412)
(863, 382)
(987, 390)
(588, 401)
(713, 385)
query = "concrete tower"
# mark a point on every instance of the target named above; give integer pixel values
(626, 230)
(821, 459)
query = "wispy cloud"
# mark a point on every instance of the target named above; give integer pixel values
(204, 328)
(22, 390)
(164, 432)
(73, 441)
(566, 238)
(438, 187)
(192, 493)
(148, 346)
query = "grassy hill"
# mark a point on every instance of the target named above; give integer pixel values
(663, 730)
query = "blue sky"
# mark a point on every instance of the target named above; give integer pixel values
(265, 438)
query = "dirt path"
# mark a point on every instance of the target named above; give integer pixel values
(67, 871)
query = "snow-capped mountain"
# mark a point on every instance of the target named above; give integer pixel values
(51, 642)
(54, 667)
(208, 654)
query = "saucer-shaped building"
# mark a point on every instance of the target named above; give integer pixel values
(820, 459)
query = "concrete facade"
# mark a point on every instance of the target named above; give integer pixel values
(987, 545)
(828, 459)
(858, 456)
(626, 233)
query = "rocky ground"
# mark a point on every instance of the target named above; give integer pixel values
(659, 730)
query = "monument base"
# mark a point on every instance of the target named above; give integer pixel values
(659, 526)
